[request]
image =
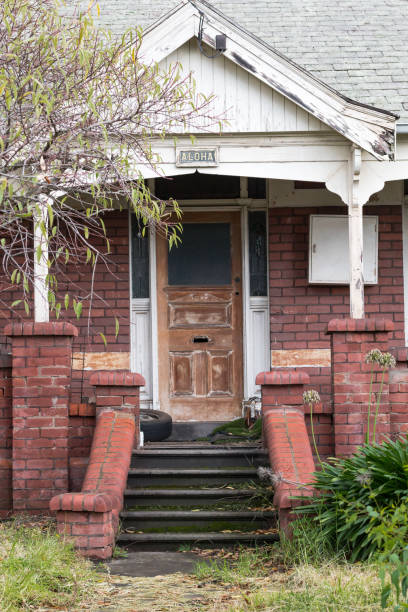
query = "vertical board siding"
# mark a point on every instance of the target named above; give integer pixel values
(248, 104)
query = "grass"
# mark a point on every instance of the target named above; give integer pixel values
(302, 575)
(328, 588)
(39, 570)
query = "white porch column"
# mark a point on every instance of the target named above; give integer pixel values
(40, 221)
(355, 219)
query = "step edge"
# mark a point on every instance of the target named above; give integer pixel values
(211, 535)
(174, 514)
(200, 472)
(185, 492)
(201, 451)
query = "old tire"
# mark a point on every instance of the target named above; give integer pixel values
(155, 424)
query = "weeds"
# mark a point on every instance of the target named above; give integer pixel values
(309, 546)
(247, 563)
(328, 588)
(40, 570)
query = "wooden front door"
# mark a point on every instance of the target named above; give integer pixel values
(200, 319)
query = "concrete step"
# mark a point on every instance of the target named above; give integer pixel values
(171, 541)
(151, 519)
(204, 457)
(185, 497)
(184, 478)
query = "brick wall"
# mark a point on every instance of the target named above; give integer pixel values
(112, 289)
(41, 362)
(398, 393)
(6, 434)
(300, 312)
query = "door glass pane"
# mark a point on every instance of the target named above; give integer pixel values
(203, 257)
(140, 262)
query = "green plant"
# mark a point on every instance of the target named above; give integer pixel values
(356, 496)
(397, 570)
(119, 553)
(237, 428)
(384, 361)
(310, 398)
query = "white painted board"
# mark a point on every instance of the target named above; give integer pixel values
(329, 250)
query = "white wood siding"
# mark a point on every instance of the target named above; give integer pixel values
(248, 104)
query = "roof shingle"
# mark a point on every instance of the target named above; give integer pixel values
(359, 48)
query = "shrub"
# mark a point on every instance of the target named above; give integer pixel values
(360, 501)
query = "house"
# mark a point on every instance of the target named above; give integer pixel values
(310, 149)
(294, 250)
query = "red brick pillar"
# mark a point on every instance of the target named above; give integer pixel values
(399, 394)
(351, 340)
(286, 437)
(5, 434)
(41, 366)
(119, 390)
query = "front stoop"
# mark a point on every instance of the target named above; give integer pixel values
(198, 496)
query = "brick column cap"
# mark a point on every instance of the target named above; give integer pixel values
(289, 376)
(30, 328)
(82, 502)
(118, 378)
(374, 324)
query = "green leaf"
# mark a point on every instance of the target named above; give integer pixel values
(77, 308)
(116, 327)
(103, 338)
(385, 595)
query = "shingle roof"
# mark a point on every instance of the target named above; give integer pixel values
(359, 48)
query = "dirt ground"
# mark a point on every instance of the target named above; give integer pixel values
(169, 594)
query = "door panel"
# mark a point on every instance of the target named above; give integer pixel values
(200, 325)
(220, 373)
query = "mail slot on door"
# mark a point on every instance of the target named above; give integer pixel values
(201, 339)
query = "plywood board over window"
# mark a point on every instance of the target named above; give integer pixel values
(329, 250)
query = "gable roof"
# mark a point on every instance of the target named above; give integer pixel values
(369, 128)
(358, 48)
